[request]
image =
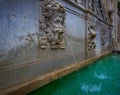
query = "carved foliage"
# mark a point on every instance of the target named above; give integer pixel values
(91, 37)
(52, 25)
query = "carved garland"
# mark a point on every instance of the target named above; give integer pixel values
(52, 25)
(91, 37)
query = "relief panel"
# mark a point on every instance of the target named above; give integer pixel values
(105, 36)
(52, 26)
(91, 5)
(91, 37)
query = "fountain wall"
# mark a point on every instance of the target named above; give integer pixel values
(36, 40)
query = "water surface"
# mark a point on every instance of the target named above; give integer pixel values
(100, 78)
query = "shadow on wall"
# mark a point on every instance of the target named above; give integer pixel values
(119, 5)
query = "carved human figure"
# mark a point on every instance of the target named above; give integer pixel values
(90, 5)
(56, 32)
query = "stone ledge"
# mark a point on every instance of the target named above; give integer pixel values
(28, 86)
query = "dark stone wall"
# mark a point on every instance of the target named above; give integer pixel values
(118, 28)
(20, 58)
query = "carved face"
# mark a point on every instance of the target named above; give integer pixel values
(57, 28)
(54, 16)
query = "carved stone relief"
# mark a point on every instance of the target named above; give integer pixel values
(78, 2)
(106, 14)
(104, 35)
(110, 16)
(91, 5)
(27, 41)
(91, 37)
(110, 11)
(52, 25)
(100, 9)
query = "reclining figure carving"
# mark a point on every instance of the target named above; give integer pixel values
(52, 25)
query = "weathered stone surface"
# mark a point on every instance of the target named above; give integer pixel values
(91, 37)
(52, 25)
(30, 29)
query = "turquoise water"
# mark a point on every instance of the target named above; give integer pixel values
(100, 78)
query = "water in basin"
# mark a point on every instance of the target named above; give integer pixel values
(100, 78)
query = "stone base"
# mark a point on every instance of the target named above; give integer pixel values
(28, 86)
